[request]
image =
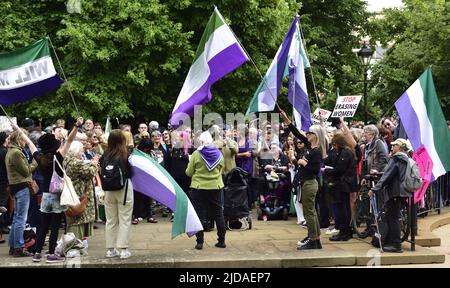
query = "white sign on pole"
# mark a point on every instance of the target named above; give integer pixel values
(315, 117)
(346, 106)
(5, 125)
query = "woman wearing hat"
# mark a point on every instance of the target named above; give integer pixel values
(52, 212)
(393, 194)
(309, 168)
(19, 175)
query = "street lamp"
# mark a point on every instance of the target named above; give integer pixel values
(365, 55)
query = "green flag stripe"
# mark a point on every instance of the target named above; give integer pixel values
(213, 23)
(24, 55)
(254, 107)
(441, 134)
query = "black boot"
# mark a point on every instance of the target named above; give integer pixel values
(311, 244)
(393, 247)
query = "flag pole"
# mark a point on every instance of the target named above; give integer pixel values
(250, 58)
(6, 114)
(310, 66)
(64, 74)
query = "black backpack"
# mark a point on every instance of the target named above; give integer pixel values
(113, 176)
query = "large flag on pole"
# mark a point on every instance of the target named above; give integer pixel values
(151, 179)
(267, 92)
(424, 122)
(218, 54)
(298, 94)
(27, 73)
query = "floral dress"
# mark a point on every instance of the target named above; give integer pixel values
(82, 175)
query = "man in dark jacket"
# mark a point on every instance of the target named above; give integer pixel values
(394, 193)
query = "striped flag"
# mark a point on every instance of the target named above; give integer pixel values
(218, 54)
(151, 179)
(27, 73)
(424, 122)
(267, 92)
(298, 94)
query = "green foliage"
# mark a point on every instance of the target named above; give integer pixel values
(129, 58)
(421, 36)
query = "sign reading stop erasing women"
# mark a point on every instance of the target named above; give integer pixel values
(346, 106)
(315, 117)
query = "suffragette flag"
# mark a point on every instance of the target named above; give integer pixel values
(424, 122)
(265, 96)
(27, 73)
(218, 54)
(298, 94)
(151, 179)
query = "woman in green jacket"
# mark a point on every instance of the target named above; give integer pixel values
(205, 167)
(19, 176)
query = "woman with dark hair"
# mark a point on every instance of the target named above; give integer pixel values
(342, 181)
(118, 204)
(142, 203)
(51, 211)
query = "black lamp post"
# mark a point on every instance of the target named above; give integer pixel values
(365, 55)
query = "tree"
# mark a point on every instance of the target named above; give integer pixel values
(419, 34)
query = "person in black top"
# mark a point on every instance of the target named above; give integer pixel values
(309, 168)
(51, 210)
(4, 195)
(342, 181)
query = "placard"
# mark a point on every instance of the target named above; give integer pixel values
(346, 106)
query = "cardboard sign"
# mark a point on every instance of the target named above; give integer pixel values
(315, 117)
(5, 125)
(346, 106)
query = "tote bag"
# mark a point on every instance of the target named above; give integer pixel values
(57, 182)
(68, 196)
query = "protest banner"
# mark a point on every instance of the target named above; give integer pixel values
(346, 106)
(5, 125)
(315, 117)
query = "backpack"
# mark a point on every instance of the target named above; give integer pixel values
(30, 239)
(112, 174)
(412, 180)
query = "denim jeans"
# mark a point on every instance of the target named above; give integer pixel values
(21, 205)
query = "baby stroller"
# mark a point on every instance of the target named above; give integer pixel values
(273, 203)
(236, 212)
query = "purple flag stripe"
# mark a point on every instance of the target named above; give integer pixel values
(301, 105)
(154, 189)
(219, 66)
(410, 122)
(24, 93)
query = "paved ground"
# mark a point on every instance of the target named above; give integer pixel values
(268, 244)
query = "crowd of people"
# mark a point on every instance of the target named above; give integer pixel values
(321, 170)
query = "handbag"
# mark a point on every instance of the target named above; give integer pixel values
(56, 182)
(77, 210)
(33, 186)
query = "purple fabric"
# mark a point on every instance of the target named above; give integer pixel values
(220, 65)
(153, 189)
(25, 93)
(410, 122)
(283, 55)
(301, 101)
(211, 156)
(245, 163)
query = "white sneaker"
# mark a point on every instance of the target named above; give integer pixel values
(85, 243)
(125, 253)
(332, 231)
(111, 253)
